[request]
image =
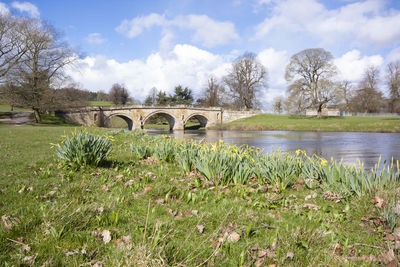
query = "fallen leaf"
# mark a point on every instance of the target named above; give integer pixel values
(160, 201)
(290, 255)
(172, 213)
(104, 187)
(106, 236)
(397, 208)
(396, 233)
(389, 237)
(259, 262)
(128, 183)
(311, 206)
(147, 189)
(100, 210)
(6, 222)
(52, 192)
(233, 237)
(378, 202)
(369, 258)
(388, 258)
(195, 212)
(200, 228)
(119, 176)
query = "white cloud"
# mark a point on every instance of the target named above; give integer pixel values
(134, 27)
(185, 65)
(352, 66)
(95, 38)
(394, 55)
(363, 23)
(208, 32)
(27, 7)
(4, 9)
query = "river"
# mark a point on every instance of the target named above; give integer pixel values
(345, 146)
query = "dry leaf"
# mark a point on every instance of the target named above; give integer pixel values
(160, 201)
(290, 255)
(147, 189)
(172, 213)
(195, 212)
(128, 183)
(104, 187)
(106, 236)
(396, 233)
(100, 210)
(388, 258)
(200, 228)
(259, 262)
(233, 237)
(311, 206)
(378, 202)
(119, 176)
(397, 209)
(7, 224)
(369, 258)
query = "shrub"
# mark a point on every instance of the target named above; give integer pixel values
(83, 148)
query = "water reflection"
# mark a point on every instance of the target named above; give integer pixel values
(345, 146)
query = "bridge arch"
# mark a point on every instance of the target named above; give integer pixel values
(203, 120)
(122, 116)
(171, 119)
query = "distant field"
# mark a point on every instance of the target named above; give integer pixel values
(5, 107)
(100, 103)
(302, 123)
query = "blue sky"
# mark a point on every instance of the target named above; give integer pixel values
(146, 44)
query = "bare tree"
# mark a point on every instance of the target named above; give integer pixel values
(213, 95)
(310, 72)
(278, 104)
(12, 43)
(118, 94)
(368, 98)
(151, 99)
(345, 94)
(245, 80)
(41, 67)
(393, 82)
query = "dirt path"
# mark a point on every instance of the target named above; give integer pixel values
(16, 118)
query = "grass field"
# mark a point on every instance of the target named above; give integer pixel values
(149, 212)
(302, 123)
(5, 107)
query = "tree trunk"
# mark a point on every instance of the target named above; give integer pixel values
(38, 118)
(319, 111)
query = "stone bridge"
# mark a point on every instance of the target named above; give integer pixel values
(136, 116)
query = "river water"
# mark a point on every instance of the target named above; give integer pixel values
(345, 146)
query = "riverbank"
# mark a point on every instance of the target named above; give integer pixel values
(142, 206)
(324, 124)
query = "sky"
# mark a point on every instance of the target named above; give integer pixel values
(165, 43)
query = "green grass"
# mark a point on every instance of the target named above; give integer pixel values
(5, 107)
(302, 123)
(55, 214)
(100, 103)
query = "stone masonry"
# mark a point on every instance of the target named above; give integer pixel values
(136, 115)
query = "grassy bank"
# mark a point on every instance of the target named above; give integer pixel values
(146, 206)
(302, 123)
